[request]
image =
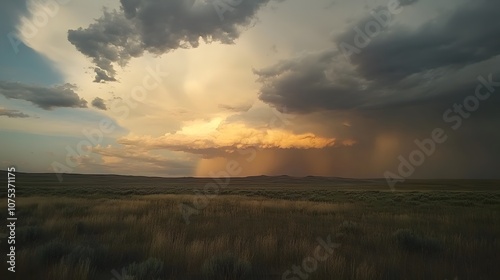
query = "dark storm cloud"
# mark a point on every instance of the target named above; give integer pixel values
(398, 66)
(302, 84)
(12, 113)
(44, 97)
(398, 89)
(99, 103)
(467, 35)
(112, 38)
(157, 27)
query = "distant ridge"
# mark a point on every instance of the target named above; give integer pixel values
(49, 180)
(258, 177)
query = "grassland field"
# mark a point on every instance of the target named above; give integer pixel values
(118, 227)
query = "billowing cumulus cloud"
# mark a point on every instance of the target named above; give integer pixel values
(228, 138)
(305, 83)
(44, 97)
(157, 27)
(12, 113)
(397, 66)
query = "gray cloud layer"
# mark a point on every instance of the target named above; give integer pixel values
(13, 113)
(397, 66)
(99, 103)
(466, 36)
(44, 97)
(157, 27)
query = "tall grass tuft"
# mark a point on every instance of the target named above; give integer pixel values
(226, 267)
(150, 269)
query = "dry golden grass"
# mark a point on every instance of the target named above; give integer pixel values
(271, 234)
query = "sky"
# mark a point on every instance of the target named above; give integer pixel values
(363, 88)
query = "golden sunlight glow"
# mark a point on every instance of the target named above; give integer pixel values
(229, 137)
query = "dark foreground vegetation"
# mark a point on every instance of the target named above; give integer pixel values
(111, 227)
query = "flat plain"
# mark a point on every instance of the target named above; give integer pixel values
(121, 227)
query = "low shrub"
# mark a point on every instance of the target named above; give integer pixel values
(28, 234)
(349, 227)
(52, 251)
(414, 242)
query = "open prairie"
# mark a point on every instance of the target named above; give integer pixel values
(107, 227)
(250, 139)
